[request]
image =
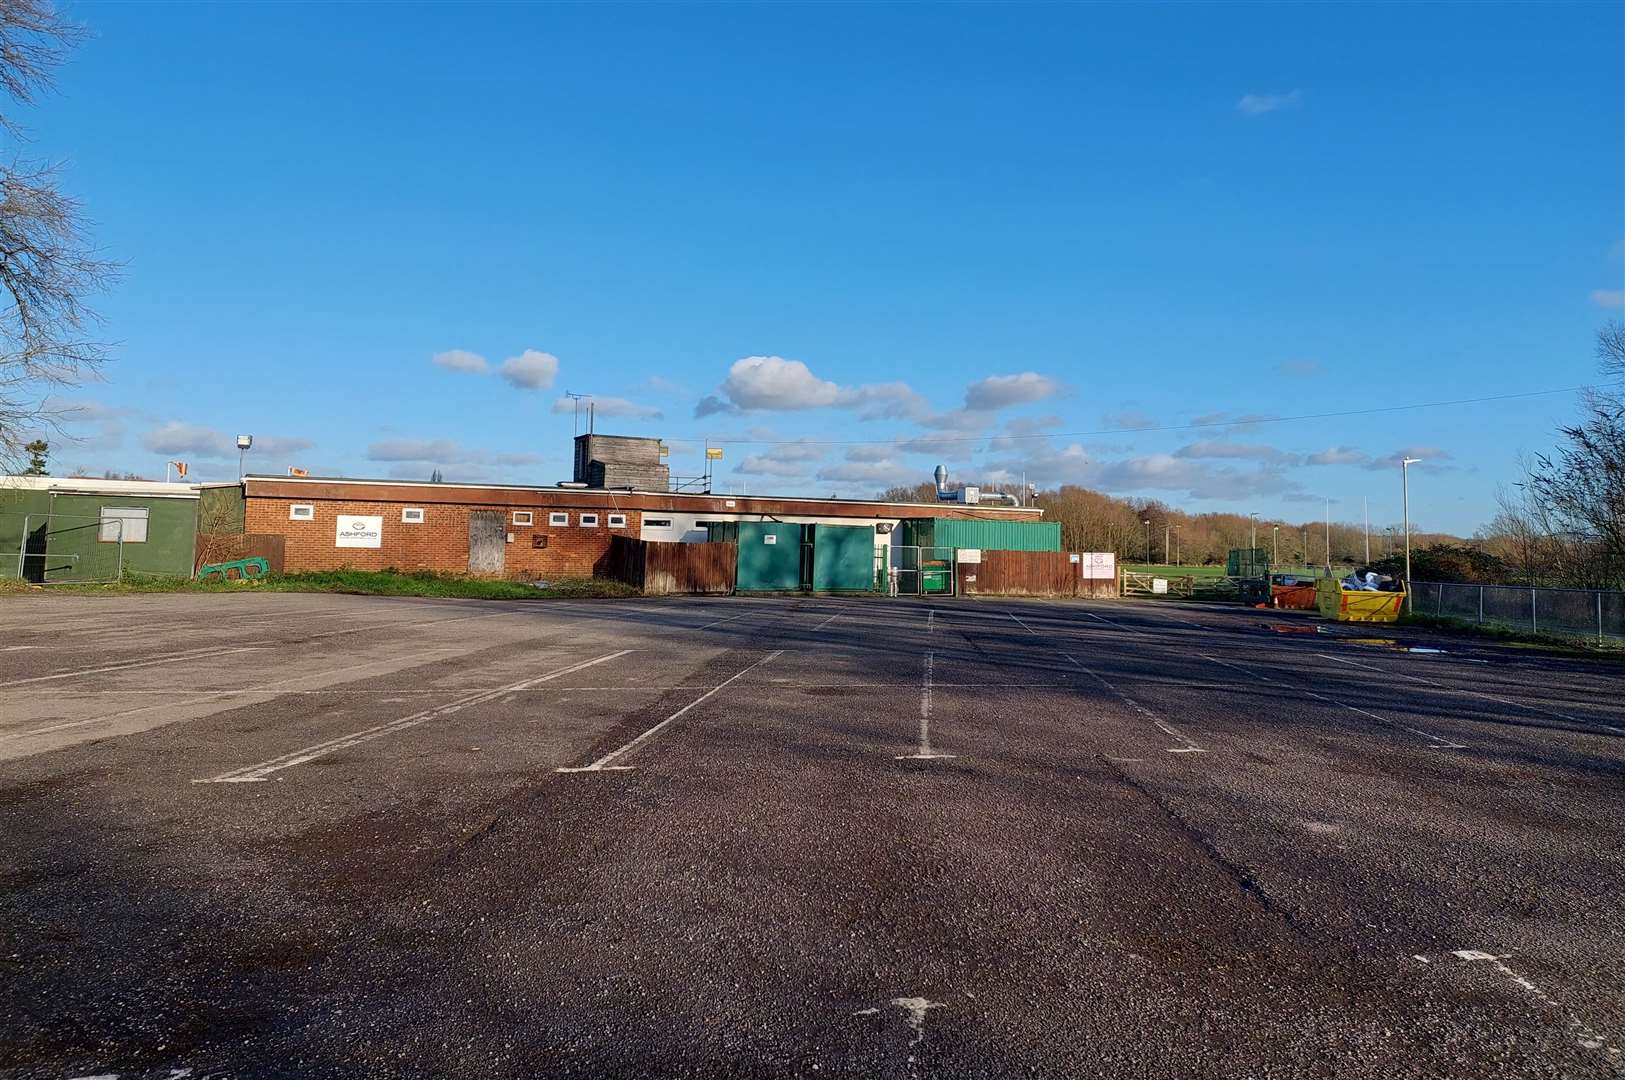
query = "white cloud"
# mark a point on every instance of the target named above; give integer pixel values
(1259, 104)
(1002, 391)
(608, 406)
(772, 382)
(1430, 454)
(443, 452)
(1217, 448)
(1338, 455)
(89, 425)
(1032, 425)
(967, 421)
(1608, 298)
(866, 472)
(1130, 420)
(884, 401)
(460, 360)
(530, 370)
(869, 453)
(786, 459)
(179, 437)
(659, 384)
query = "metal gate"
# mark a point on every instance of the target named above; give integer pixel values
(487, 541)
(923, 571)
(64, 548)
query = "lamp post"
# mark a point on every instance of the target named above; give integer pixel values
(1365, 502)
(243, 443)
(1166, 529)
(1177, 561)
(1275, 545)
(1254, 544)
(1147, 524)
(1405, 494)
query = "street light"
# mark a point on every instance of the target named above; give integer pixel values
(1275, 545)
(1255, 531)
(1405, 486)
(1177, 561)
(1147, 524)
(243, 443)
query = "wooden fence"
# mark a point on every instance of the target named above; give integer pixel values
(226, 547)
(661, 568)
(1030, 573)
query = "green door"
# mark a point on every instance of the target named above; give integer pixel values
(843, 558)
(769, 557)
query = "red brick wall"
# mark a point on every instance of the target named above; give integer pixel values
(440, 542)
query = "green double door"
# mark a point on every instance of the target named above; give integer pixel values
(780, 557)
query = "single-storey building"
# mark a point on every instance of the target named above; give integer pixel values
(70, 528)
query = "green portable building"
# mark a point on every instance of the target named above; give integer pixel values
(57, 529)
(769, 557)
(983, 533)
(843, 558)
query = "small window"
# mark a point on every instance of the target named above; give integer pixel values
(617, 521)
(589, 521)
(302, 512)
(126, 523)
(558, 517)
(657, 523)
(522, 517)
(411, 515)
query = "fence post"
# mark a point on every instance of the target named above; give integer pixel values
(1481, 605)
(22, 547)
(1534, 619)
(1599, 616)
(1438, 601)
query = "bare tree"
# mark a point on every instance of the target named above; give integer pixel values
(47, 267)
(1579, 488)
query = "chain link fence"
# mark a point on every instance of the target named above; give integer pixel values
(1587, 613)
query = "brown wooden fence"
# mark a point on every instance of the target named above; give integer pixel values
(226, 547)
(660, 568)
(1030, 573)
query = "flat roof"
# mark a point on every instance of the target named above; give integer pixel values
(88, 485)
(612, 493)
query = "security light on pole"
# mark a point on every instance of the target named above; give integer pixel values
(243, 443)
(1147, 524)
(1405, 490)
(1275, 545)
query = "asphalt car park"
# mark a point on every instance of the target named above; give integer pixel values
(287, 834)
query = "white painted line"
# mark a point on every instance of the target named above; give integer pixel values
(258, 772)
(226, 694)
(607, 762)
(1189, 747)
(916, 1007)
(924, 753)
(827, 621)
(1473, 693)
(1438, 741)
(168, 658)
(729, 619)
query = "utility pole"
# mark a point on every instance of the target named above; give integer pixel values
(1254, 544)
(1275, 545)
(1165, 543)
(1147, 524)
(1328, 534)
(1365, 501)
(1405, 488)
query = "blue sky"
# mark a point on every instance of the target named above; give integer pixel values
(873, 226)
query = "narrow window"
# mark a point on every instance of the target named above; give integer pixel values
(411, 515)
(589, 521)
(126, 523)
(302, 512)
(522, 517)
(617, 521)
(657, 523)
(558, 517)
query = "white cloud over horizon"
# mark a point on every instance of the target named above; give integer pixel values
(1259, 104)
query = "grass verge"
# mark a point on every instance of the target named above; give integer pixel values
(357, 582)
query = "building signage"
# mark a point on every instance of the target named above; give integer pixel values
(1159, 585)
(970, 555)
(1097, 565)
(359, 532)
(770, 539)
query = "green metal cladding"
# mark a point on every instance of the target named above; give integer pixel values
(982, 533)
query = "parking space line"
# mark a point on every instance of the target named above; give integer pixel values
(607, 762)
(168, 658)
(1473, 693)
(1439, 742)
(924, 753)
(1189, 745)
(254, 773)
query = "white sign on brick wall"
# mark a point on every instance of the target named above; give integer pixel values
(359, 532)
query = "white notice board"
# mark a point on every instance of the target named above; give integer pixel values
(359, 532)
